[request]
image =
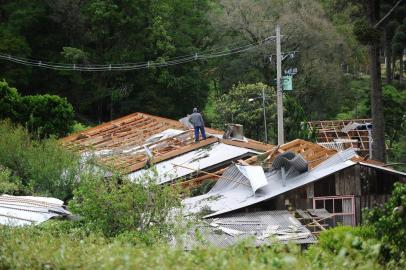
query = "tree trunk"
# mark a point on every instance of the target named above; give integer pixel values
(378, 131)
(401, 68)
(388, 57)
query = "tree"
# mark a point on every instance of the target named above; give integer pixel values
(378, 131)
(47, 115)
(394, 102)
(236, 107)
(9, 101)
(243, 105)
(104, 31)
(399, 45)
(319, 84)
(389, 222)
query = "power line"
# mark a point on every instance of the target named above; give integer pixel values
(135, 66)
(388, 14)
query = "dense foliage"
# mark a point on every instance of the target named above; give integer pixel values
(29, 166)
(44, 115)
(104, 31)
(389, 223)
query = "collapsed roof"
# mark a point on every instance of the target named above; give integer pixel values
(263, 228)
(343, 134)
(131, 143)
(237, 189)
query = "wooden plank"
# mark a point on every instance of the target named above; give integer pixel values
(250, 145)
(97, 128)
(173, 154)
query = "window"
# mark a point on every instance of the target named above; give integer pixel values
(342, 209)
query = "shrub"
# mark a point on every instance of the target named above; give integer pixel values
(44, 115)
(389, 223)
(334, 239)
(9, 100)
(345, 246)
(44, 167)
(118, 205)
(47, 115)
(10, 184)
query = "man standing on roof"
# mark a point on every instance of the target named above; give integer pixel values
(196, 120)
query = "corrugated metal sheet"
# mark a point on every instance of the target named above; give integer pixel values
(262, 228)
(29, 210)
(386, 169)
(196, 160)
(228, 195)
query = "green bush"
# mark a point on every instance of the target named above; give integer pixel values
(44, 167)
(389, 223)
(44, 115)
(10, 184)
(117, 205)
(334, 239)
(9, 101)
(352, 247)
(47, 115)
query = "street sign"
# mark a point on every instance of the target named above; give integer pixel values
(287, 84)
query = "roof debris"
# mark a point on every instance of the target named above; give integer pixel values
(262, 228)
(29, 210)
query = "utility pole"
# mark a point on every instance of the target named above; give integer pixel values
(263, 106)
(279, 94)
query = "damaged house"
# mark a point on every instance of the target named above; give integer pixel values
(132, 143)
(319, 186)
(343, 134)
(340, 182)
(288, 192)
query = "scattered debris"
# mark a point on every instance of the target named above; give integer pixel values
(262, 228)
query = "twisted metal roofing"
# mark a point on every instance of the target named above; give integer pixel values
(258, 228)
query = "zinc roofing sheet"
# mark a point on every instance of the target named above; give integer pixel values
(29, 210)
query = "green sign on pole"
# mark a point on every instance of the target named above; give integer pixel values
(287, 83)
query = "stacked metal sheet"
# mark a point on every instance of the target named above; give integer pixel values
(29, 210)
(258, 228)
